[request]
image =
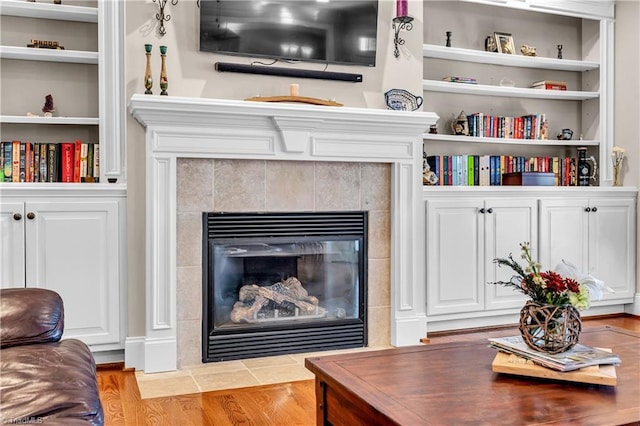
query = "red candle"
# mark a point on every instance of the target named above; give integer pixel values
(401, 8)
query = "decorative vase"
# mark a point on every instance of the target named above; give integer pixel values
(617, 181)
(164, 83)
(550, 328)
(148, 79)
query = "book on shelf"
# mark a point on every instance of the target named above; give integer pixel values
(528, 126)
(7, 165)
(549, 85)
(455, 79)
(580, 356)
(67, 153)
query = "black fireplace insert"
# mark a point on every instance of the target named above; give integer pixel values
(283, 283)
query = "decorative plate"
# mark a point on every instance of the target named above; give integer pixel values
(401, 100)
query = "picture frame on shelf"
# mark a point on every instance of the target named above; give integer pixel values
(504, 43)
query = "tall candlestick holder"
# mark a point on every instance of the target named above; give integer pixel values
(164, 82)
(148, 79)
(400, 23)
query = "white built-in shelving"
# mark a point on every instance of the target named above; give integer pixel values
(512, 92)
(502, 141)
(23, 119)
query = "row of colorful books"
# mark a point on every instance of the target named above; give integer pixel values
(487, 170)
(24, 161)
(531, 126)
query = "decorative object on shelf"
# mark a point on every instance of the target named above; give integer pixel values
(164, 83)
(448, 43)
(565, 134)
(456, 79)
(48, 107)
(586, 171)
(460, 124)
(504, 42)
(400, 23)
(617, 156)
(544, 130)
(297, 99)
(550, 320)
(402, 100)
(433, 129)
(57, 1)
(428, 176)
(507, 82)
(559, 51)
(527, 50)
(490, 44)
(294, 89)
(45, 44)
(163, 17)
(148, 79)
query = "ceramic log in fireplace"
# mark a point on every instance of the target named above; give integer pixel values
(283, 283)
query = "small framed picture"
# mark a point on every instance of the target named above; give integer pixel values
(504, 42)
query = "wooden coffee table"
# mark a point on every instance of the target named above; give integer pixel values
(452, 384)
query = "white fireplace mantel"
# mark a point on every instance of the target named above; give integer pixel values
(213, 128)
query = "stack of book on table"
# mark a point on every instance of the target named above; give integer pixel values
(581, 364)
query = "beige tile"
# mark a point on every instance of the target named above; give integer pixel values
(379, 282)
(379, 327)
(189, 343)
(194, 185)
(189, 239)
(230, 380)
(141, 376)
(282, 374)
(379, 235)
(290, 186)
(189, 292)
(376, 186)
(217, 367)
(337, 186)
(239, 185)
(167, 387)
(270, 361)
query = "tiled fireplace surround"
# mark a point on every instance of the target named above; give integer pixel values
(219, 155)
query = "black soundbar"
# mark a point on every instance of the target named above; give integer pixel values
(287, 72)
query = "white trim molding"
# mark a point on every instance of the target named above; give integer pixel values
(213, 128)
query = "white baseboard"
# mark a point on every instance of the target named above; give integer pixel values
(134, 352)
(633, 308)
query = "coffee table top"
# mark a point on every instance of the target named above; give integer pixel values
(453, 383)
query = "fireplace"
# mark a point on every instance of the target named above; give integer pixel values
(283, 283)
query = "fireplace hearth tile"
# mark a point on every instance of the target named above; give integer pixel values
(239, 185)
(166, 384)
(195, 185)
(270, 361)
(230, 380)
(278, 374)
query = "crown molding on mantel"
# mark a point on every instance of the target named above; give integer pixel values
(179, 127)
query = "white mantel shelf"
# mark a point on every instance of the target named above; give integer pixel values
(214, 128)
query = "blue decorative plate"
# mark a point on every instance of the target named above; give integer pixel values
(401, 100)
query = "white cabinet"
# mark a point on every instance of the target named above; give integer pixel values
(70, 245)
(595, 234)
(463, 236)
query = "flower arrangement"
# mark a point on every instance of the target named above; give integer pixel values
(617, 156)
(564, 286)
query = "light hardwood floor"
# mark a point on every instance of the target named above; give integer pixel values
(282, 404)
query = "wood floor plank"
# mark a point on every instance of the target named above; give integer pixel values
(281, 404)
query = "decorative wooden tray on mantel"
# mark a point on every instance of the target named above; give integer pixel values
(299, 99)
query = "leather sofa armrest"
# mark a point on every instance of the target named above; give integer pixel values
(30, 315)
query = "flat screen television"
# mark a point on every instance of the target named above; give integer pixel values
(328, 31)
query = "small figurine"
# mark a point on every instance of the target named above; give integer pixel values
(490, 44)
(448, 39)
(559, 51)
(48, 106)
(544, 130)
(528, 50)
(460, 124)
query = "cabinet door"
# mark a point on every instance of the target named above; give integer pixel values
(611, 245)
(72, 248)
(12, 245)
(508, 223)
(564, 233)
(454, 247)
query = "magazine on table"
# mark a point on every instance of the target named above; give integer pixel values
(579, 356)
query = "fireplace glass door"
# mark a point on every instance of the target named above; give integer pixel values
(283, 290)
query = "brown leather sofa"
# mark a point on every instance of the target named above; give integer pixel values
(43, 380)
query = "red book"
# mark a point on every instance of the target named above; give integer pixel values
(76, 161)
(67, 151)
(28, 161)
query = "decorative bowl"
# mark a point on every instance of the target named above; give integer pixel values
(401, 100)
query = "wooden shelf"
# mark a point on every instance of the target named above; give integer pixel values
(23, 119)
(60, 12)
(48, 55)
(512, 92)
(477, 56)
(508, 141)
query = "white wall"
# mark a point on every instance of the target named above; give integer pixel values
(191, 73)
(627, 92)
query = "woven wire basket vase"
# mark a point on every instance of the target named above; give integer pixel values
(550, 328)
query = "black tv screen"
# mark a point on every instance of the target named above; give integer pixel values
(330, 31)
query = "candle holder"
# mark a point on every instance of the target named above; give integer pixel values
(400, 23)
(161, 16)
